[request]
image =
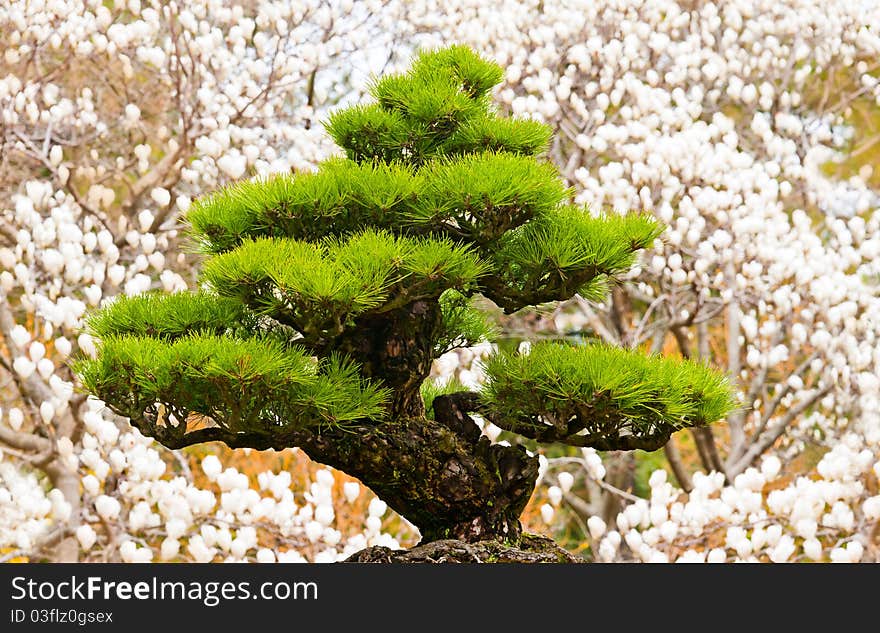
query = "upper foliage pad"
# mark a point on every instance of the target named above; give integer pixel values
(473, 74)
(439, 107)
(319, 288)
(341, 197)
(498, 134)
(479, 197)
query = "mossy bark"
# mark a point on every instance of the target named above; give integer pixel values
(449, 485)
(395, 348)
(445, 484)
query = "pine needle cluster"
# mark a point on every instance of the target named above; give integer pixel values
(584, 391)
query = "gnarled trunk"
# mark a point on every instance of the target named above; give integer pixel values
(448, 485)
(449, 482)
(440, 474)
(396, 348)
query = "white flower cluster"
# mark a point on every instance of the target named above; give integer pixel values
(725, 120)
(135, 510)
(462, 364)
(761, 517)
(27, 511)
(765, 515)
(114, 117)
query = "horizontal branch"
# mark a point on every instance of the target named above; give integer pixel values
(25, 441)
(171, 438)
(451, 410)
(463, 402)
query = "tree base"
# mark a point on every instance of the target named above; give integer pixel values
(532, 549)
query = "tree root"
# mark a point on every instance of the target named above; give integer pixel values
(532, 549)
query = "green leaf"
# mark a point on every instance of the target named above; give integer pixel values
(431, 389)
(479, 197)
(463, 325)
(340, 198)
(564, 251)
(370, 133)
(321, 288)
(499, 134)
(473, 74)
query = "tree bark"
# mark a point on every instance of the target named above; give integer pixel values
(397, 348)
(532, 549)
(443, 482)
(448, 480)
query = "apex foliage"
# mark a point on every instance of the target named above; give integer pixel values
(326, 295)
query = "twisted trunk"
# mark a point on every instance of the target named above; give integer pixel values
(450, 483)
(444, 483)
(396, 348)
(441, 475)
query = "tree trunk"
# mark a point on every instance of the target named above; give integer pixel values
(396, 348)
(442, 475)
(447, 485)
(532, 549)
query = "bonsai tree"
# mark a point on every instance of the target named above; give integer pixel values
(325, 296)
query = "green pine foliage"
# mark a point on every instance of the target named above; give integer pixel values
(418, 112)
(341, 197)
(169, 316)
(601, 390)
(241, 384)
(563, 252)
(474, 75)
(319, 288)
(463, 324)
(498, 134)
(372, 133)
(439, 198)
(479, 197)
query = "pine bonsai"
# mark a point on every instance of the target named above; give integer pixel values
(325, 296)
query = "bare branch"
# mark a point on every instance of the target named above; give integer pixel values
(771, 408)
(637, 334)
(593, 319)
(25, 441)
(36, 154)
(774, 432)
(675, 462)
